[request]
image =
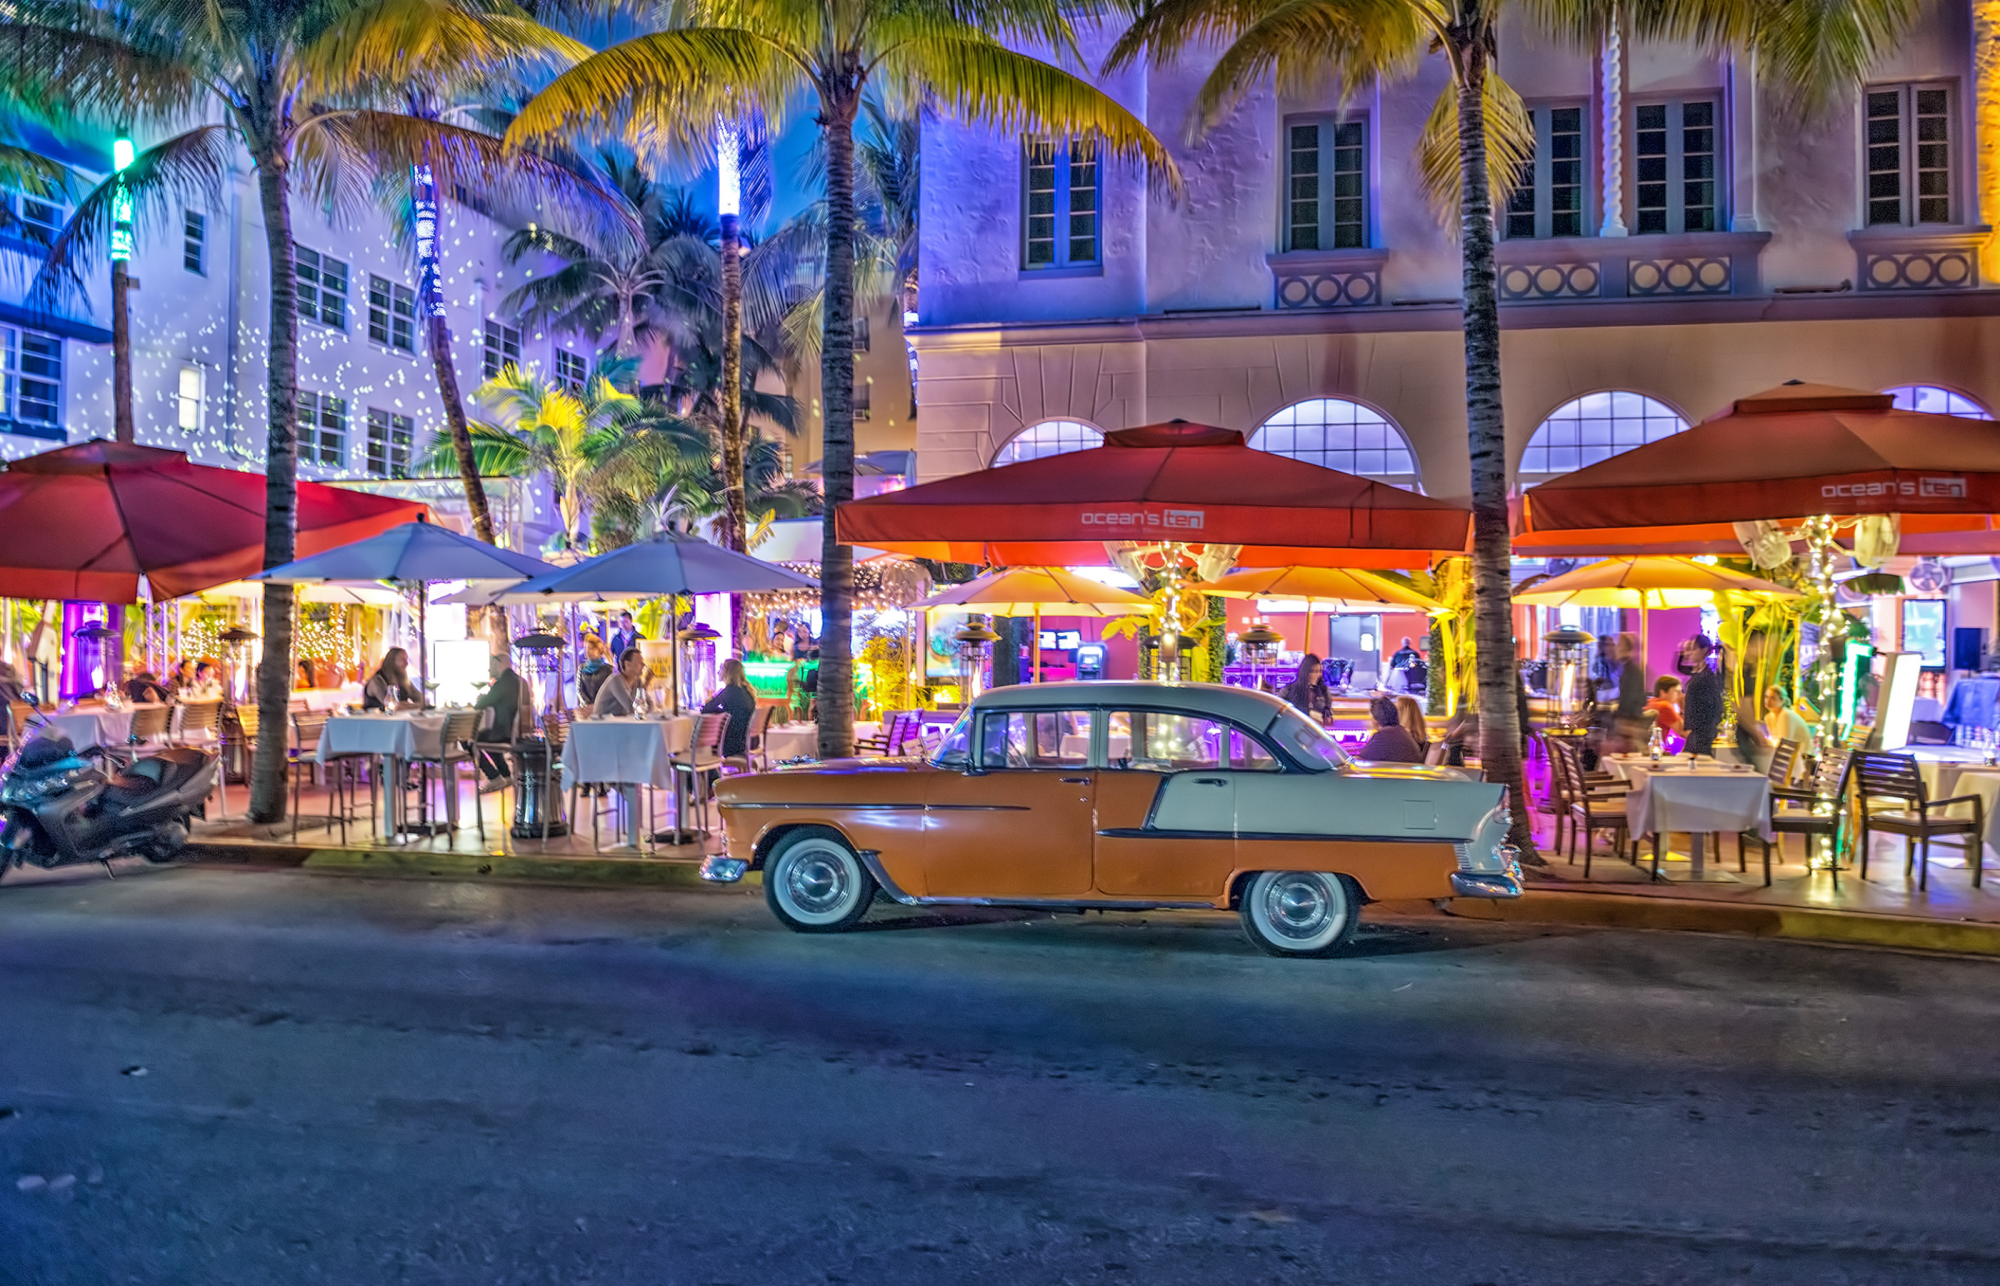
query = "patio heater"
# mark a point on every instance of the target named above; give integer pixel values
(697, 661)
(1260, 644)
(973, 640)
(236, 663)
(538, 807)
(1568, 653)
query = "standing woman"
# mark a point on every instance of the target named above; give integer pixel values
(1309, 691)
(389, 686)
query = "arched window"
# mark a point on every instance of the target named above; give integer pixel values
(1050, 437)
(1596, 427)
(1933, 400)
(1342, 435)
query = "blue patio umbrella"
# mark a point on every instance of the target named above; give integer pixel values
(415, 553)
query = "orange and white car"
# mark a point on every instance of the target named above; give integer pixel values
(1121, 796)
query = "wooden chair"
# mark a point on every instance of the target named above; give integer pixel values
(1895, 779)
(149, 724)
(702, 761)
(1816, 810)
(19, 713)
(342, 775)
(1590, 805)
(201, 722)
(755, 757)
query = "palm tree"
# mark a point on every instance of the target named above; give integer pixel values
(542, 427)
(608, 284)
(256, 73)
(728, 59)
(1809, 51)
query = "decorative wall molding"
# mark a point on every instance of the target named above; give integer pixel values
(1315, 280)
(1636, 267)
(1918, 259)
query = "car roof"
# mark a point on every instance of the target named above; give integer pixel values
(1214, 700)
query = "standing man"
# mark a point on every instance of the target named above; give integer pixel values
(1703, 706)
(1630, 714)
(626, 636)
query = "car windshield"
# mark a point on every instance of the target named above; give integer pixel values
(956, 752)
(1313, 745)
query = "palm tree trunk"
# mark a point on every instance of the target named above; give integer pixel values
(836, 394)
(121, 352)
(734, 507)
(437, 336)
(281, 465)
(1492, 585)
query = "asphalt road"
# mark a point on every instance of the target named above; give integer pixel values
(214, 1077)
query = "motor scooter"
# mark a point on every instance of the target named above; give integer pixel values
(58, 807)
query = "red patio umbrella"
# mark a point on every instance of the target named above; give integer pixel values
(1792, 452)
(1164, 482)
(87, 521)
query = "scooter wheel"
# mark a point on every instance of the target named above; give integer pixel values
(167, 843)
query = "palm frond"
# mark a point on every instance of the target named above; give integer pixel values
(379, 47)
(1305, 45)
(185, 171)
(1510, 147)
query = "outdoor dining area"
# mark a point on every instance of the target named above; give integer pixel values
(1770, 573)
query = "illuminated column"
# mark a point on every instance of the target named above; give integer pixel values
(121, 291)
(1612, 102)
(1986, 125)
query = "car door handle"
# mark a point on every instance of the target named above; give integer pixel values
(1211, 781)
(1074, 781)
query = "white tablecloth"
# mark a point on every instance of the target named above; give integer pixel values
(1954, 779)
(1703, 801)
(626, 751)
(402, 735)
(801, 740)
(87, 728)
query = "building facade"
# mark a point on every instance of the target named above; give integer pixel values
(1682, 238)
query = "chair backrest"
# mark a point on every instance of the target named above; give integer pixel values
(1566, 766)
(1886, 776)
(760, 719)
(18, 714)
(148, 722)
(201, 716)
(459, 725)
(708, 733)
(909, 729)
(1782, 759)
(306, 729)
(1858, 735)
(249, 718)
(555, 730)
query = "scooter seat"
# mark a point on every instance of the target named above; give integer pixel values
(131, 787)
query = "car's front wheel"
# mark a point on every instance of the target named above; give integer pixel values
(815, 883)
(1300, 913)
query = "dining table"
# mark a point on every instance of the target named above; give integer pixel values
(788, 741)
(629, 750)
(88, 726)
(1950, 778)
(1698, 797)
(394, 737)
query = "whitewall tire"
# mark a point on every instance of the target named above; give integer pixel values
(1300, 913)
(814, 883)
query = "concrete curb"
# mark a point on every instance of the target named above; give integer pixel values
(420, 864)
(1692, 915)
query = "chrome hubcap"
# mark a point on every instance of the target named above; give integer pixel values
(1300, 907)
(817, 883)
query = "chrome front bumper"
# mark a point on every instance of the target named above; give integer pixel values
(723, 870)
(1475, 884)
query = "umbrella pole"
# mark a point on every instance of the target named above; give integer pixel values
(423, 644)
(1035, 652)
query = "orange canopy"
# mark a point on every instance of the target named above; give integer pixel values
(1163, 482)
(1792, 452)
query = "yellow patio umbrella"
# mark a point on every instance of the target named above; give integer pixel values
(1025, 591)
(1652, 581)
(1336, 586)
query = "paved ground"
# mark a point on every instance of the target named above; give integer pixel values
(218, 1077)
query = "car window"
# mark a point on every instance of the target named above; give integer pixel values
(1035, 739)
(1152, 741)
(1311, 744)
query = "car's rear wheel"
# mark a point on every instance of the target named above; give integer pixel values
(1300, 913)
(815, 883)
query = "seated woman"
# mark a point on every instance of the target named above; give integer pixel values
(1391, 744)
(389, 686)
(144, 689)
(737, 700)
(1411, 716)
(596, 668)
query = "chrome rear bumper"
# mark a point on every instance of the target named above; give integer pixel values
(1478, 884)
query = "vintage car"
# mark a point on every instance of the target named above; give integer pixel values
(1121, 796)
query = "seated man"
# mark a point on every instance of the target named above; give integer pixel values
(1392, 743)
(499, 719)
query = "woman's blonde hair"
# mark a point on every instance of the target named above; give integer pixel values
(731, 674)
(1411, 716)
